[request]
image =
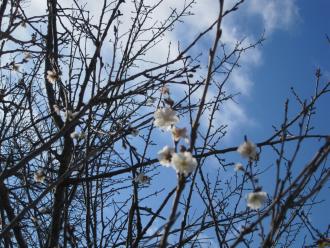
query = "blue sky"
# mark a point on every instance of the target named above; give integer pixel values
(290, 57)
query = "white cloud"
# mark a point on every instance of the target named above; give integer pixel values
(275, 14)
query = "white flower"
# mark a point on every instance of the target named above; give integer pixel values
(165, 156)
(256, 199)
(165, 118)
(178, 133)
(39, 176)
(239, 167)
(184, 162)
(248, 150)
(52, 76)
(141, 178)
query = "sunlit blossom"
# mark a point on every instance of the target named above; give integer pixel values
(52, 76)
(165, 156)
(248, 150)
(184, 162)
(165, 118)
(256, 199)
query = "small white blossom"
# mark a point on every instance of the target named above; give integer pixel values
(165, 156)
(165, 118)
(239, 167)
(184, 162)
(39, 176)
(141, 178)
(248, 150)
(52, 76)
(256, 199)
(178, 133)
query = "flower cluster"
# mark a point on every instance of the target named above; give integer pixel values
(184, 162)
(248, 150)
(166, 119)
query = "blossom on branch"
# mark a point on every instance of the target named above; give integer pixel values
(165, 156)
(184, 162)
(256, 199)
(248, 150)
(52, 76)
(165, 118)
